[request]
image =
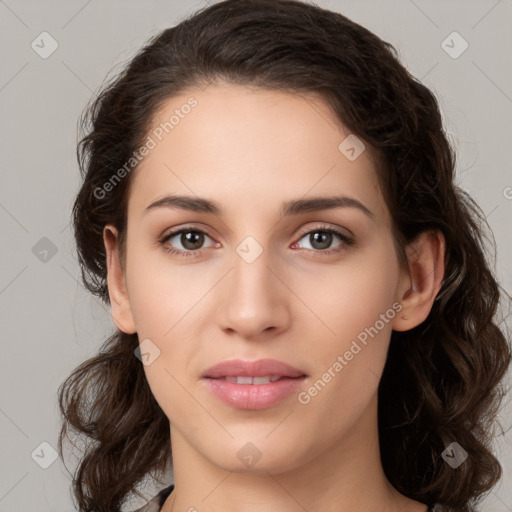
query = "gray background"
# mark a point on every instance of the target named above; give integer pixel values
(49, 323)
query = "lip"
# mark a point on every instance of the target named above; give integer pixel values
(259, 368)
(253, 396)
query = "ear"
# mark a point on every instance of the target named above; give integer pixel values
(419, 286)
(116, 280)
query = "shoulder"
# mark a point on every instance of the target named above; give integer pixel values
(155, 504)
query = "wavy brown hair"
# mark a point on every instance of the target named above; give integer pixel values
(443, 379)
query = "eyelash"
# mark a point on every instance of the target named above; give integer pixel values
(347, 241)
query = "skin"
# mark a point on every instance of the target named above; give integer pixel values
(249, 150)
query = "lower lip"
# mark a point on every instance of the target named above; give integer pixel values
(254, 396)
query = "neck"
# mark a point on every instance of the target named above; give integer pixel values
(348, 476)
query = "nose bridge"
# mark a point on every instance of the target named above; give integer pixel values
(251, 275)
(254, 299)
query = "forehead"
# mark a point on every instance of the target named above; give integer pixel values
(249, 147)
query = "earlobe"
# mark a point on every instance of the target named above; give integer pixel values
(116, 280)
(423, 281)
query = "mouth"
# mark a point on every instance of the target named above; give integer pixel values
(253, 384)
(270, 369)
(254, 380)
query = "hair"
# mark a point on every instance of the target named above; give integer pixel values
(442, 382)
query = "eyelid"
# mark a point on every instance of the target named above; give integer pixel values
(325, 227)
(301, 233)
(187, 227)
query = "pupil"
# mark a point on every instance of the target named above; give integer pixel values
(187, 239)
(318, 236)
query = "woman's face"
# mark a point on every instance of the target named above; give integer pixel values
(251, 283)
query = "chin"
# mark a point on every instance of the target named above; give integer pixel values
(256, 455)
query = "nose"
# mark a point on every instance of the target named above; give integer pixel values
(255, 299)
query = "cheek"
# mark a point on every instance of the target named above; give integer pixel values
(162, 294)
(177, 400)
(354, 311)
(343, 299)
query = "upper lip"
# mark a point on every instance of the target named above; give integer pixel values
(259, 368)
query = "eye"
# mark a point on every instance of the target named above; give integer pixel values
(321, 238)
(191, 239)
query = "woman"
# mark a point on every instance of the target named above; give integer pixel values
(305, 313)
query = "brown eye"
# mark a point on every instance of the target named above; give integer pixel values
(321, 240)
(190, 239)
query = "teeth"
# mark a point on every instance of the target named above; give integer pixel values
(243, 380)
(265, 380)
(253, 380)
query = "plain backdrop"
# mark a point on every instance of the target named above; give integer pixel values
(49, 324)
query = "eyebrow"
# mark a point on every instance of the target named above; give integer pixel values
(293, 207)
